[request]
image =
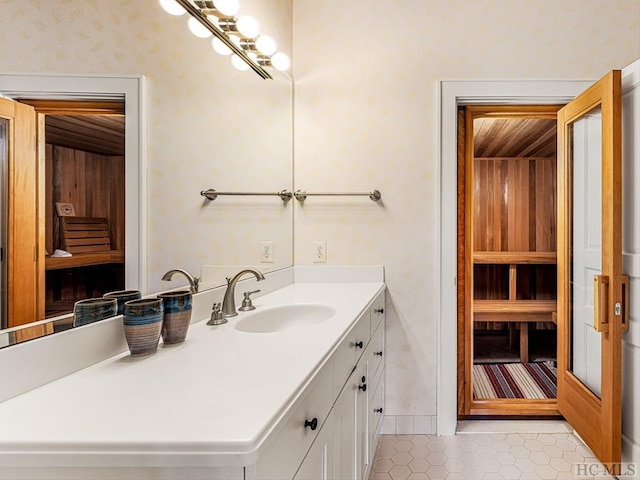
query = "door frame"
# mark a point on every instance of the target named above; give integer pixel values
(467, 405)
(454, 93)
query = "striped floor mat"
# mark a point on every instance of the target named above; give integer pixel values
(514, 380)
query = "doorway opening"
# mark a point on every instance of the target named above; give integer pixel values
(507, 275)
(81, 146)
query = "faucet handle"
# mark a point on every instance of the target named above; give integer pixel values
(216, 315)
(246, 303)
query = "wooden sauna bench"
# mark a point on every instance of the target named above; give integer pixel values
(88, 240)
(512, 310)
(84, 260)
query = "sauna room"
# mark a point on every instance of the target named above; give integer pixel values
(84, 202)
(510, 258)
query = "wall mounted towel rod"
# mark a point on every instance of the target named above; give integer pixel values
(301, 195)
(212, 194)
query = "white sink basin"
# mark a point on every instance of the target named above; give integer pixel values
(284, 317)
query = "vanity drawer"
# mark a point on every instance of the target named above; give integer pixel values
(349, 351)
(286, 448)
(377, 311)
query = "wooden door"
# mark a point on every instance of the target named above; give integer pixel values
(591, 297)
(22, 220)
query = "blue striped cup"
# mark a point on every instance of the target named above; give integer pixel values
(142, 320)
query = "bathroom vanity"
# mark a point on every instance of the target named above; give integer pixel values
(256, 398)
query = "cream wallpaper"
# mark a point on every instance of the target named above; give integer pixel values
(366, 79)
(209, 125)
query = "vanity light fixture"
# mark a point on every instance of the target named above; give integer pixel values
(238, 37)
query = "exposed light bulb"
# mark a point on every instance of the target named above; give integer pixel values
(228, 8)
(248, 26)
(220, 47)
(198, 29)
(239, 63)
(172, 7)
(280, 62)
(266, 45)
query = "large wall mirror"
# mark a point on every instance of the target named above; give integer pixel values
(192, 122)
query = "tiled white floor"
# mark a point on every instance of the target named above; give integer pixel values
(480, 456)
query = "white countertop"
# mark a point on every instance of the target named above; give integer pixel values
(210, 401)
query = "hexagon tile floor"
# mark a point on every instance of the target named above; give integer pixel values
(484, 456)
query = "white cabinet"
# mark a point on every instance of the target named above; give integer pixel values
(357, 412)
(332, 431)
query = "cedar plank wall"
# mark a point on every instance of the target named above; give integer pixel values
(93, 183)
(520, 195)
(515, 205)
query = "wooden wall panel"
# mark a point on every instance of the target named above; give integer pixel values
(93, 183)
(546, 201)
(514, 204)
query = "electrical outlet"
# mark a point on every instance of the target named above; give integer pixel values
(319, 252)
(266, 252)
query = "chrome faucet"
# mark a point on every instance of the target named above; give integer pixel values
(229, 301)
(194, 282)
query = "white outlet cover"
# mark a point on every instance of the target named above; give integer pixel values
(266, 251)
(319, 252)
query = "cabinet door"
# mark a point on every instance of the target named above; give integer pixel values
(344, 432)
(362, 418)
(318, 464)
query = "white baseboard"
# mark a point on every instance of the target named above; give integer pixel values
(409, 425)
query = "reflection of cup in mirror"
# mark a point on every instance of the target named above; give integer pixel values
(123, 296)
(142, 320)
(177, 316)
(93, 309)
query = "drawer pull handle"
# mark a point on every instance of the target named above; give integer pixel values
(378, 410)
(313, 424)
(358, 344)
(378, 310)
(378, 353)
(363, 387)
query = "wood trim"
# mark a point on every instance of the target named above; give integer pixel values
(73, 107)
(598, 422)
(463, 287)
(515, 257)
(36, 331)
(40, 214)
(22, 275)
(536, 159)
(468, 253)
(515, 406)
(514, 111)
(514, 306)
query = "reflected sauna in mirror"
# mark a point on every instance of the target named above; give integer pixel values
(80, 170)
